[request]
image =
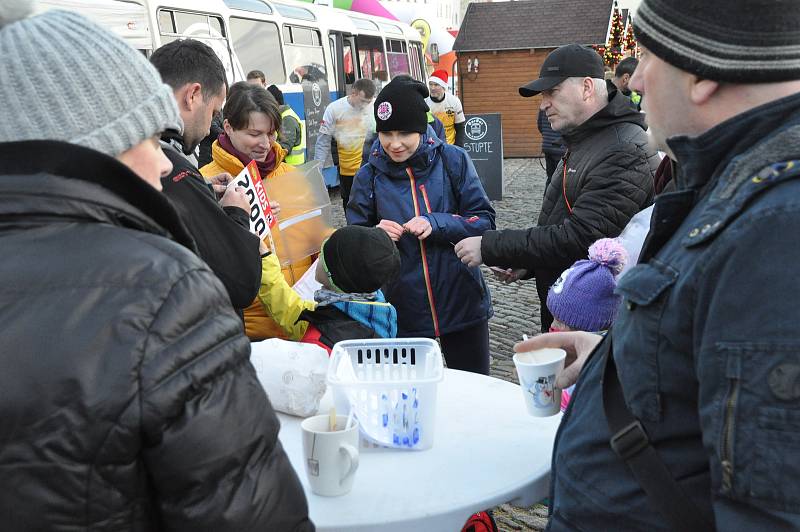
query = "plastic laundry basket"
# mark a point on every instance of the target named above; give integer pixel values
(391, 385)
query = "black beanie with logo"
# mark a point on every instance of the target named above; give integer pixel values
(360, 259)
(401, 106)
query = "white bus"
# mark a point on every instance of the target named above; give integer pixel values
(302, 48)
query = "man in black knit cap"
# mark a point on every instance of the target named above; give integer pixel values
(690, 421)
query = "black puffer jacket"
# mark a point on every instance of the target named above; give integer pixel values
(609, 178)
(127, 399)
(222, 235)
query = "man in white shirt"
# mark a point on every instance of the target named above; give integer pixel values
(446, 107)
(348, 120)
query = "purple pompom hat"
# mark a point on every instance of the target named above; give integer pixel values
(583, 296)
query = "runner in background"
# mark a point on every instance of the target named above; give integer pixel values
(446, 107)
(348, 120)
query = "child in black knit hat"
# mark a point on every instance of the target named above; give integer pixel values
(425, 195)
(353, 265)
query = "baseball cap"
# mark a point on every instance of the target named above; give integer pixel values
(568, 61)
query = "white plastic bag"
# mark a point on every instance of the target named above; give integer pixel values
(292, 374)
(633, 236)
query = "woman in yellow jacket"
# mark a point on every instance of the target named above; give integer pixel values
(250, 129)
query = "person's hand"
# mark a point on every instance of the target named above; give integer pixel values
(508, 275)
(393, 229)
(262, 247)
(419, 226)
(275, 207)
(235, 197)
(220, 183)
(578, 345)
(469, 251)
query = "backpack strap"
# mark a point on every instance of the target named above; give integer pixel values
(630, 442)
(456, 179)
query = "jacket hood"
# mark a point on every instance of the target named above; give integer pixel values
(420, 162)
(58, 179)
(618, 111)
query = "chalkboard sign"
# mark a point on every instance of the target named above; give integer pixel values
(484, 143)
(316, 98)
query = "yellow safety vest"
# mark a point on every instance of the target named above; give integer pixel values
(297, 155)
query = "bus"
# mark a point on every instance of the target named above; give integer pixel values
(313, 53)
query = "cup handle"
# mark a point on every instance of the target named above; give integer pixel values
(352, 454)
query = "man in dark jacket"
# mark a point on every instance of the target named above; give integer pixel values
(552, 144)
(221, 229)
(291, 133)
(605, 178)
(204, 149)
(706, 347)
(128, 399)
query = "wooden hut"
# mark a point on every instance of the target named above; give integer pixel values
(501, 46)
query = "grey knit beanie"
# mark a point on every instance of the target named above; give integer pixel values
(64, 78)
(744, 41)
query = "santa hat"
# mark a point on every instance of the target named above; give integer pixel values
(439, 77)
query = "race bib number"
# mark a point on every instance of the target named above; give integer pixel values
(262, 220)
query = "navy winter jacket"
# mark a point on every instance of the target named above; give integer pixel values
(706, 343)
(435, 293)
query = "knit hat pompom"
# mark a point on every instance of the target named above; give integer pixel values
(583, 297)
(14, 10)
(610, 253)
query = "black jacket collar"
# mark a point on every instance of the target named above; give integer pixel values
(78, 181)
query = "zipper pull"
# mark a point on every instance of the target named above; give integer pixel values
(727, 476)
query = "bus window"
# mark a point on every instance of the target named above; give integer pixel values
(191, 23)
(371, 58)
(208, 29)
(350, 73)
(250, 39)
(305, 58)
(416, 61)
(334, 58)
(397, 57)
(166, 24)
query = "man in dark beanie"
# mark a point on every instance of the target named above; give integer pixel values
(690, 420)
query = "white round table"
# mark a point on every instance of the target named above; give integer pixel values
(487, 451)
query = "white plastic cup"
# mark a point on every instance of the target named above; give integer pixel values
(331, 458)
(537, 372)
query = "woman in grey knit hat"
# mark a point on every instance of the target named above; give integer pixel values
(128, 401)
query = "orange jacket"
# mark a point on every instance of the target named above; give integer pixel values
(258, 325)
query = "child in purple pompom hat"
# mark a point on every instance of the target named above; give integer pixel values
(583, 299)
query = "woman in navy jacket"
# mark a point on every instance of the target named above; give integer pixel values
(426, 195)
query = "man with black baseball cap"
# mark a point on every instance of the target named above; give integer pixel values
(570, 61)
(605, 177)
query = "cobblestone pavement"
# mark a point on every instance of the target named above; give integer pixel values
(516, 306)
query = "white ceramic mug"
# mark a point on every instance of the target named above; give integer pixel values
(331, 458)
(537, 372)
